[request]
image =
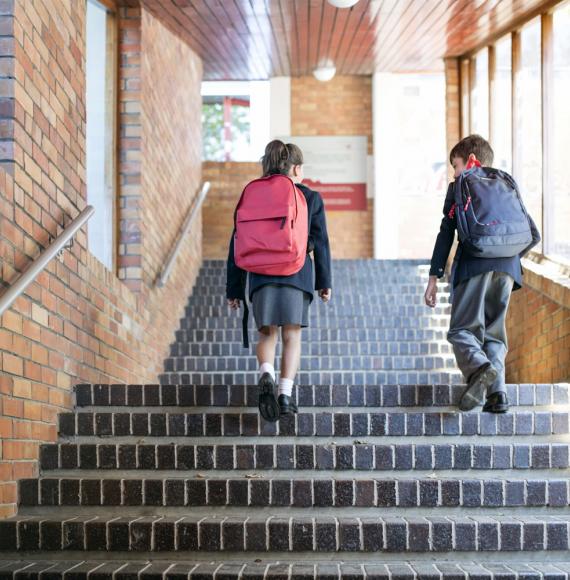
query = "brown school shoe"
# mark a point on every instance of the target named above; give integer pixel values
(478, 384)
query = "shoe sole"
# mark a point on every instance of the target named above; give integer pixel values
(267, 403)
(497, 411)
(473, 395)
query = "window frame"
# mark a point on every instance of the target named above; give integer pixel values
(466, 85)
(112, 129)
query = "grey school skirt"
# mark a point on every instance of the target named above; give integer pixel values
(275, 305)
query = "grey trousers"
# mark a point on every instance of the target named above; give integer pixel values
(477, 329)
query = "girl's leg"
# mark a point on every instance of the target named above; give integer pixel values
(266, 346)
(267, 403)
(291, 336)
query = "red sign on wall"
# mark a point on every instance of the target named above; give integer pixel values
(336, 167)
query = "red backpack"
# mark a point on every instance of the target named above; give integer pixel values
(271, 222)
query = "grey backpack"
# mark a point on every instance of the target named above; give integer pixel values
(492, 221)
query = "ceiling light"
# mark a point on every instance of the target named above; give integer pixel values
(342, 3)
(324, 73)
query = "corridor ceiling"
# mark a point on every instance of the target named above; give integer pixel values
(257, 39)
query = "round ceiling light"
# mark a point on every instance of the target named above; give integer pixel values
(324, 73)
(342, 3)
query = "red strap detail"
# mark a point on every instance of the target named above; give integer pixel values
(473, 163)
(467, 204)
(451, 213)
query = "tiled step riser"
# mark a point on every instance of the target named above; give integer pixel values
(307, 396)
(340, 302)
(318, 378)
(419, 535)
(317, 349)
(284, 570)
(313, 363)
(318, 424)
(339, 457)
(404, 335)
(235, 321)
(334, 314)
(308, 493)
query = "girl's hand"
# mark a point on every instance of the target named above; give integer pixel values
(234, 303)
(325, 294)
(431, 292)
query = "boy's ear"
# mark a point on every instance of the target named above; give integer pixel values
(472, 157)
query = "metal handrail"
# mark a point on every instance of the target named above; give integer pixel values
(169, 264)
(7, 299)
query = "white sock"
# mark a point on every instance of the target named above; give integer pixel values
(285, 387)
(267, 368)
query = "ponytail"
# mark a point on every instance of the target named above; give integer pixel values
(279, 158)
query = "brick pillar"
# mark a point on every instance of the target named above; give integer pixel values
(452, 105)
(130, 131)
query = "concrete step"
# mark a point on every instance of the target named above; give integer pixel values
(310, 362)
(304, 454)
(301, 492)
(297, 534)
(248, 567)
(336, 422)
(314, 335)
(393, 322)
(88, 395)
(364, 348)
(355, 377)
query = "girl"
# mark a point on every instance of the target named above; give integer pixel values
(283, 301)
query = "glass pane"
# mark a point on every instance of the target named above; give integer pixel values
(480, 95)
(528, 168)
(100, 228)
(502, 106)
(558, 234)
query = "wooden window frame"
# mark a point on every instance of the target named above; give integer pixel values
(467, 76)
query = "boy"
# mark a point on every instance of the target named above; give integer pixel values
(480, 297)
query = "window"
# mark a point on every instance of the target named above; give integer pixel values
(480, 94)
(234, 120)
(557, 235)
(101, 130)
(527, 163)
(501, 115)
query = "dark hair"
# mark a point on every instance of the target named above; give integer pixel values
(279, 158)
(473, 144)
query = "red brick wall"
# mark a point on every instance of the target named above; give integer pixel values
(227, 182)
(538, 328)
(77, 322)
(342, 106)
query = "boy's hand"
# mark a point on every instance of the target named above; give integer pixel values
(431, 292)
(325, 294)
(234, 303)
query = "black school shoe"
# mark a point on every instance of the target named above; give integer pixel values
(287, 405)
(267, 405)
(496, 403)
(478, 384)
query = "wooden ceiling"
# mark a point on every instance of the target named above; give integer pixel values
(257, 39)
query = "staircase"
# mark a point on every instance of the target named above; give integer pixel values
(378, 476)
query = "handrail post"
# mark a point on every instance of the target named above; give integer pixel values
(173, 254)
(29, 275)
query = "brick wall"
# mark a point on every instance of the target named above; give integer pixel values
(228, 180)
(341, 107)
(538, 328)
(78, 322)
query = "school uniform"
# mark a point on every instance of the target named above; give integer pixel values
(481, 291)
(282, 300)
